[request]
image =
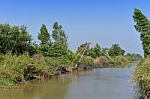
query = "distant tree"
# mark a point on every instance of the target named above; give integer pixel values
(105, 51)
(143, 25)
(116, 50)
(133, 56)
(92, 53)
(95, 51)
(82, 47)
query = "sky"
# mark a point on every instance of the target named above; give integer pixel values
(97, 21)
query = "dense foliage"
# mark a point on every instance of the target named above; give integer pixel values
(133, 57)
(96, 51)
(143, 26)
(14, 39)
(15, 69)
(56, 46)
(142, 77)
(22, 60)
(142, 72)
(116, 50)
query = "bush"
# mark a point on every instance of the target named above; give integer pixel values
(120, 60)
(101, 60)
(15, 69)
(142, 77)
(19, 68)
(87, 60)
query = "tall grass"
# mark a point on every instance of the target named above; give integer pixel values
(87, 60)
(100, 61)
(142, 77)
(120, 60)
(15, 69)
(116, 61)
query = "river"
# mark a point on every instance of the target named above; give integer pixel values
(103, 83)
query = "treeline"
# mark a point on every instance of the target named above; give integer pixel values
(115, 55)
(16, 40)
(142, 72)
(21, 59)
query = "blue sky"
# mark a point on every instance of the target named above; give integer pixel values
(103, 21)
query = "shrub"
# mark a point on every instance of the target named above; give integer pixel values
(87, 60)
(120, 60)
(19, 68)
(101, 60)
(142, 77)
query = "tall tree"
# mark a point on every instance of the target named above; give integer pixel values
(44, 36)
(59, 36)
(143, 26)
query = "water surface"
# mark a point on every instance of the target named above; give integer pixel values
(104, 83)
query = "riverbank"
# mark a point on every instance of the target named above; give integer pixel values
(142, 78)
(104, 83)
(19, 69)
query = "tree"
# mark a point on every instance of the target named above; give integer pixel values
(105, 51)
(59, 36)
(133, 56)
(116, 50)
(44, 36)
(84, 48)
(143, 26)
(14, 39)
(95, 51)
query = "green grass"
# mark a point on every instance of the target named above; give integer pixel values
(16, 69)
(120, 60)
(142, 78)
(116, 62)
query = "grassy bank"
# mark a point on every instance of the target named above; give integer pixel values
(17, 69)
(103, 61)
(142, 77)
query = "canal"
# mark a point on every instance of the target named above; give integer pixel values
(103, 83)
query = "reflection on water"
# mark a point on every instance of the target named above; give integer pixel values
(47, 89)
(107, 83)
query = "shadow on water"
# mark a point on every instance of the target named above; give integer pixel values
(105, 83)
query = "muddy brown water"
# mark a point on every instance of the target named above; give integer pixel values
(104, 83)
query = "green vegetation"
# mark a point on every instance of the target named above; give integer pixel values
(116, 50)
(22, 60)
(133, 57)
(142, 77)
(120, 61)
(142, 72)
(143, 26)
(14, 39)
(17, 69)
(113, 56)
